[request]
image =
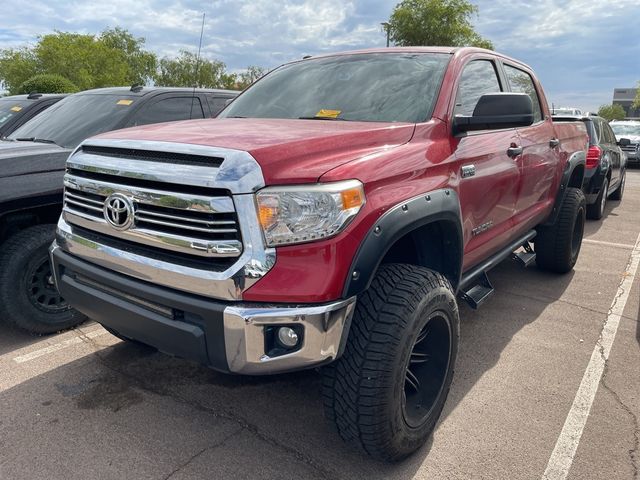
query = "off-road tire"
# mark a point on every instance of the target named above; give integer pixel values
(595, 211)
(557, 246)
(25, 292)
(617, 194)
(364, 391)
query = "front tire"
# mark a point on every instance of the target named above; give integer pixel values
(557, 246)
(28, 297)
(385, 394)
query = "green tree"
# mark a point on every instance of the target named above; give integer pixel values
(636, 102)
(47, 83)
(142, 64)
(187, 71)
(16, 66)
(435, 23)
(612, 112)
(250, 75)
(114, 57)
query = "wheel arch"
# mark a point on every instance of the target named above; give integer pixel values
(424, 231)
(19, 214)
(572, 177)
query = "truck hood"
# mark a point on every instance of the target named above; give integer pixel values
(289, 151)
(21, 158)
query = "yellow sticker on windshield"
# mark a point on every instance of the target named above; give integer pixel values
(124, 102)
(17, 108)
(328, 113)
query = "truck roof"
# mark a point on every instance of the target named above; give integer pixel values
(458, 51)
(142, 91)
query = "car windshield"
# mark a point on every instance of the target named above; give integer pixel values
(372, 87)
(9, 108)
(75, 118)
(625, 129)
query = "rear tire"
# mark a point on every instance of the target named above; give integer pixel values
(596, 210)
(28, 298)
(617, 195)
(385, 394)
(557, 247)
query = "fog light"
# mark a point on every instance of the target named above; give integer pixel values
(287, 337)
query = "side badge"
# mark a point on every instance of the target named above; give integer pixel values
(468, 171)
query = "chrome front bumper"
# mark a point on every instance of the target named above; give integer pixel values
(226, 336)
(325, 332)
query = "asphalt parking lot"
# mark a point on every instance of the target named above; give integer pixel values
(83, 404)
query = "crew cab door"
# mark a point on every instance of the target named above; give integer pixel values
(539, 160)
(488, 176)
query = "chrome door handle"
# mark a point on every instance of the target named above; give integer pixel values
(554, 142)
(513, 152)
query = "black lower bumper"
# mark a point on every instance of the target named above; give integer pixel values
(176, 323)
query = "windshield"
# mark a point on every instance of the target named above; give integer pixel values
(621, 129)
(366, 87)
(9, 108)
(75, 118)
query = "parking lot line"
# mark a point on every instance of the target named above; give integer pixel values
(608, 244)
(567, 443)
(57, 346)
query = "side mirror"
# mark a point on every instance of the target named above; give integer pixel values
(624, 142)
(497, 110)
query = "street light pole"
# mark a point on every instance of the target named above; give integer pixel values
(385, 26)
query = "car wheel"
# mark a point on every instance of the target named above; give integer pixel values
(617, 195)
(385, 394)
(557, 247)
(28, 296)
(596, 210)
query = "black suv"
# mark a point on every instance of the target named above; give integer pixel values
(606, 164)
(16, 110)
(32, 162)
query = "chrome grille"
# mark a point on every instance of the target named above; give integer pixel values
(166, 215)
(190, 224)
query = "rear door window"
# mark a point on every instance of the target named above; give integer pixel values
(169, 110)
(478, 78)
(608, 133)
(217, 104)
(521, 82)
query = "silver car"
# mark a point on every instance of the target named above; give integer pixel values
(628, 129)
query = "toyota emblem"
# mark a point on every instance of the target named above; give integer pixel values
(118, 211)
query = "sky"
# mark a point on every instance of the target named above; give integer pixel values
(580, 49)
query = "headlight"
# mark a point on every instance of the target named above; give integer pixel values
(305, 213)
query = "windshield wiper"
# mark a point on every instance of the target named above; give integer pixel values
(37, 140)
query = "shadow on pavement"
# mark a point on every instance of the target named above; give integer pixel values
(128, 411)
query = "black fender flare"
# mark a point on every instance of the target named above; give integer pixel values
(436, 206)
(576, 160)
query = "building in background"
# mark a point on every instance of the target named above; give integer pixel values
(625, 97)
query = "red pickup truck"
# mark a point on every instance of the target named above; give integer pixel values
(330, 217)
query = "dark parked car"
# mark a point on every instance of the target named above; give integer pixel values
(32, 163)
(16, 110)
(606, 164)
